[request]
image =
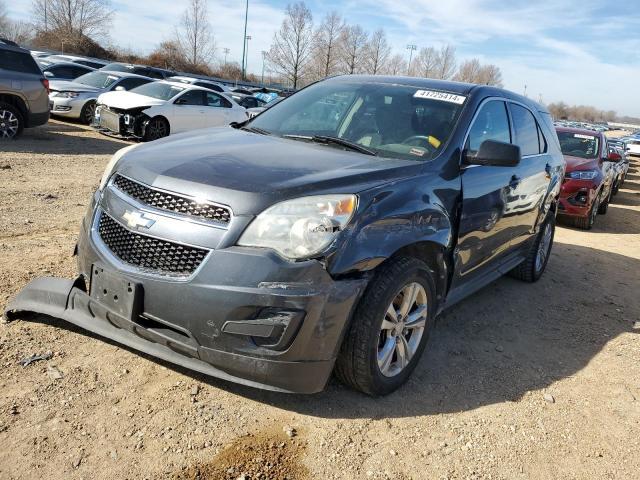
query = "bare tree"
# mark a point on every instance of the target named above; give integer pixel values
(469, 71)
(194, 36)
(472, 71)
(445, 63)
(490, 75)
(4, 19)
(293, 44)
(353, 44)
(396, 65)
(16, 31)
(378, 52)
(326, 44)
(73, 19)
(426, 63)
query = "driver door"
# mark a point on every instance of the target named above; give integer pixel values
(486, 228)
(189, 112)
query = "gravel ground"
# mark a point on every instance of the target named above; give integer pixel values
(519, 381)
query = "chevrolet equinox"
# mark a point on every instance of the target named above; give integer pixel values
(324, 235)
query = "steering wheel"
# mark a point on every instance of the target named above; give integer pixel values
(423, 139)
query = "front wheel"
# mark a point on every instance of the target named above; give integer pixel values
(535, 263)
(88, 112)
(156, 128)
(390, 328)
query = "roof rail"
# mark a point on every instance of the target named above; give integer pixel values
(9, 42)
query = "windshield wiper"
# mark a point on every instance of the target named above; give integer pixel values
(334, 140)
(257, 130)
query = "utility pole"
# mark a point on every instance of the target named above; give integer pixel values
(264, 56)
(246, 62)
(244, 40)
(226, 52)
(411, 48)
(525, 90)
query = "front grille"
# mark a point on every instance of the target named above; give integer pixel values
(149, 253)
(173, 203)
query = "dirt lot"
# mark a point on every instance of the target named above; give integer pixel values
(520, 381)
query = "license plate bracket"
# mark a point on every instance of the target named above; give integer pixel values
(116, 293)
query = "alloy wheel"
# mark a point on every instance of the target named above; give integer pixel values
(9, 124)
(402, 329)
(90, 112)
(157, 129)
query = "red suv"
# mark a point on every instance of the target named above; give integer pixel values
(588, 180)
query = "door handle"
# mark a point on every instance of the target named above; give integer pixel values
(547, 169)
(515, 181)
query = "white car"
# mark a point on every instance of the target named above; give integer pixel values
(158, 109)
(200, 82)
(633, 146)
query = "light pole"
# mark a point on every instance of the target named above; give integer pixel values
(244, 39)
(226, 52)
(411, 48)
(264, 56)
(246, 61)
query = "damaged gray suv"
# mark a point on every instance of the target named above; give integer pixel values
(324, 235)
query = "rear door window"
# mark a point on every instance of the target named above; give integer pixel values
(214, 100)
(526, 130)
(491, 123)
(18, 62)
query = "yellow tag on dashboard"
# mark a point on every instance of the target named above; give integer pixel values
(434, 141)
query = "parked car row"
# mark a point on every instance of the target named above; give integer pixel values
(597, 167)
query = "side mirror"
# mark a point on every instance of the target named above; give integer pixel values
(120, 88)
(498, 154)
(614, 157)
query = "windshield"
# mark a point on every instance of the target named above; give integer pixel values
(96, 79)
(161, 91)
(578, 144)
(117, 67)
(390, 120)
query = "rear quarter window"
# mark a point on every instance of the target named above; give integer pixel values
(18, 62)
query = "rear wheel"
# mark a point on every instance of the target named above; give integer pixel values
(156, 128)
(535, 263)
(88, 112)
(11, 121)
(389, 329)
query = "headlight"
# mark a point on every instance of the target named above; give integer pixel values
(583, 174)
(67, 94)
(112, 163)
(302, 227)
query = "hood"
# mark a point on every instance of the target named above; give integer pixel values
(126, 100)
(68, 86)
(579, 163)
(250, 172)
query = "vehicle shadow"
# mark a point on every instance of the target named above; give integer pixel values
(507, 340)
(77, 140)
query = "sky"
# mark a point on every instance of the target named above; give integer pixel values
(578, 51)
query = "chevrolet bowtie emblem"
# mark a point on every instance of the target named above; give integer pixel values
(137, 220)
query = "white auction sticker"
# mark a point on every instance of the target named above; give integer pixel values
(585, 137)
(442, 96)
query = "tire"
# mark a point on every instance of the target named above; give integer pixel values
(367, 338)
(11, 122)
(535, 263)
(586, 223)
(604, 206)
(88, 112)
(157, 128)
